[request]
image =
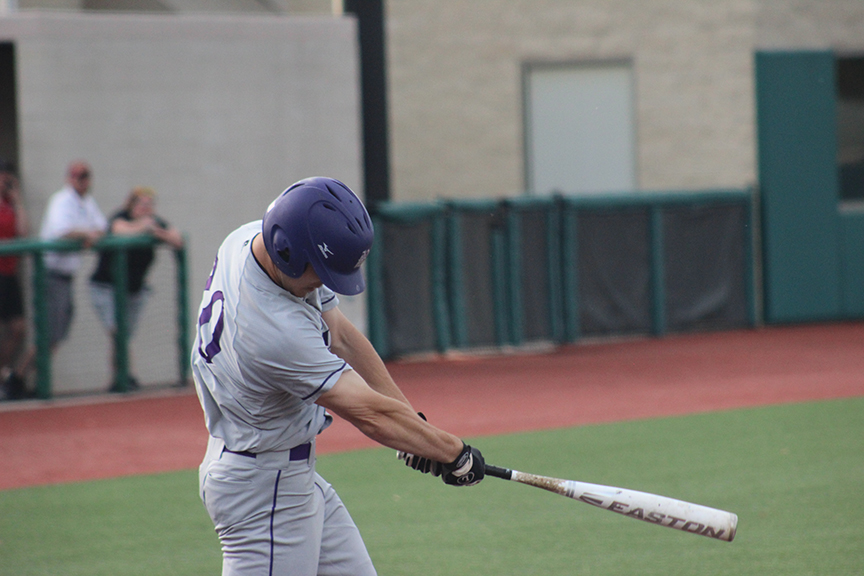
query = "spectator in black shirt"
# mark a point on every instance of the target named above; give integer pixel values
(137, 217)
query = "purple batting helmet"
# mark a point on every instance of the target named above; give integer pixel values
(320, 221)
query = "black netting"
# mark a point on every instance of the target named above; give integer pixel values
(476, 273)
(614, 272)
(407, 287)
(534, 280)
(705, 259)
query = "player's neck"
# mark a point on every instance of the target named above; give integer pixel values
(259, 252)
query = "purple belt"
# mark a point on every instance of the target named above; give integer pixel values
(300, 452)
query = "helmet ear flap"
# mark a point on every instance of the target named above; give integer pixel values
(281, 250)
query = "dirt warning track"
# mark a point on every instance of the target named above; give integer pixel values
(66, 440)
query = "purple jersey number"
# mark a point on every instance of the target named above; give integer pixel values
(213, 348)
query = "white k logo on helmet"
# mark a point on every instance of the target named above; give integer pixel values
(324, 250)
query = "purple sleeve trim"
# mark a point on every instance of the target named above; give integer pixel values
(340, 369)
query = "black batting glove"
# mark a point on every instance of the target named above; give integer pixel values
(467, 470)
(419, 463)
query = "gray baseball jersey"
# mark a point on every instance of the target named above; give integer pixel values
(260, 360)
(261, 357)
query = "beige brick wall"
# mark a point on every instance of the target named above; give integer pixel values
(200, 6)
(456, 88)
(818, 24)
(456, 96)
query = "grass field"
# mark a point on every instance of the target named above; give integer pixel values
(792, 473)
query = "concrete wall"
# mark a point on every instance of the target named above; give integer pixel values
(218, 114)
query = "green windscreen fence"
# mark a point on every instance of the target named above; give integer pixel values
(534, 272)
(408, 311)
(480, 274)
(657, 263)
(612, 294)
(477, 285)
(706, 254)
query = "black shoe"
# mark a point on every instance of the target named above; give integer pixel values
(14, 387)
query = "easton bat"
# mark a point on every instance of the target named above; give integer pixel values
(644, 506)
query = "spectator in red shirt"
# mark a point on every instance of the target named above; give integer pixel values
(13, 224)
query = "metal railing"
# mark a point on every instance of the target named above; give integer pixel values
(120, 245)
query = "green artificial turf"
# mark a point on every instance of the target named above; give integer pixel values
(792, 473)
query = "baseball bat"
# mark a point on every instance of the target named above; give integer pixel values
(658, 510)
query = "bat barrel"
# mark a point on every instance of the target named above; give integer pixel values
(651, 508)
(656, 509)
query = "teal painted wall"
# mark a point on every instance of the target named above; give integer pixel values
(852, 259)
(796, 120)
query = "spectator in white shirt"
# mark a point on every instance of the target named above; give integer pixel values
(72, 214)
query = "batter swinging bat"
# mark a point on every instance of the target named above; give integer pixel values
(652, 508)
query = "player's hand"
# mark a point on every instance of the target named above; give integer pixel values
(467, 470)
(419, 463)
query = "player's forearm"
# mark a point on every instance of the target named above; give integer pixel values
(405, 431)
(388, 421)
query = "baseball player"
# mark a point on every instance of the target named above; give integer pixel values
(273, 354)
